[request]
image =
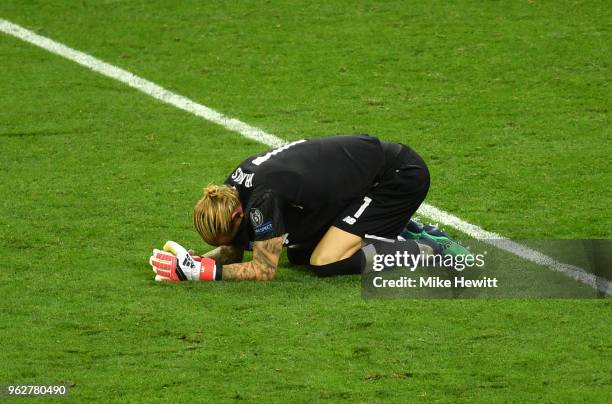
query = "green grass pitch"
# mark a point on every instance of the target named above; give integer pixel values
(507, 101)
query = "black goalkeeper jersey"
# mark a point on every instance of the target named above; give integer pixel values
(300, 188)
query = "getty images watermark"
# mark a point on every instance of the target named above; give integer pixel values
(494, 269)
(411, 262)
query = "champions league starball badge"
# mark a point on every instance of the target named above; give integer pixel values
(256, 217)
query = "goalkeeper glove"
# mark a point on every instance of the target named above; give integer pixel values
(175, 264)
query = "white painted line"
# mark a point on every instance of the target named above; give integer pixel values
(259, 135)
(140, 84)
(529, 254)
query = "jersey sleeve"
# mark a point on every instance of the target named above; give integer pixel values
(265, 216)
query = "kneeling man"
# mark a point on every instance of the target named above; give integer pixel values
(334, 202)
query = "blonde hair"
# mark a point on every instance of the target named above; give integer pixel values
(212, 215)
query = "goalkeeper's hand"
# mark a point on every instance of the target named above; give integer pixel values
(175, 264)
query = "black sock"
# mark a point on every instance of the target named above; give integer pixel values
(348, 266)
(391, 247)
(364, 257)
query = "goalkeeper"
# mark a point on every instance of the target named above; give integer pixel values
(335, 202)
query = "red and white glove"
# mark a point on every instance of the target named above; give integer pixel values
(175, 264)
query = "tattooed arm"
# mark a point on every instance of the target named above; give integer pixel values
(263, 266)
(226, 254)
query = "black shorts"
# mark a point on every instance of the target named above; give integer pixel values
(387, 208)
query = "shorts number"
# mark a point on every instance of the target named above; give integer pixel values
(364, 205)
